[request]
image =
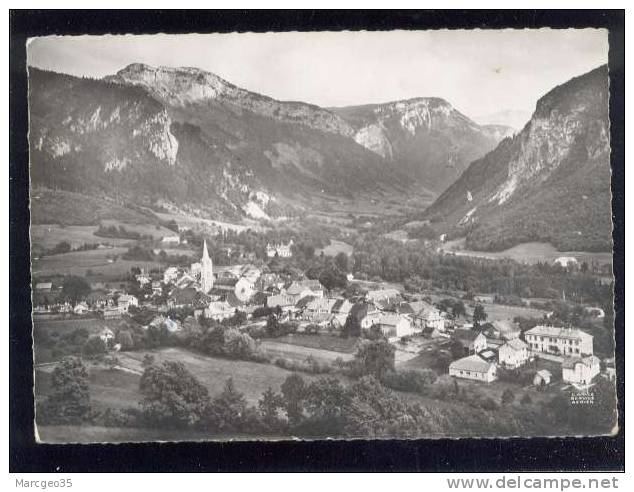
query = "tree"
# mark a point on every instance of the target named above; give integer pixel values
(75, 288)
(479, 316)
(333, 278)
(69, 400)
(352, 326)
(124, 337)
(342, 262)
(272, 326)
(94, 347)
(375, 358)
(294, 393)
(269, 406)
(172, 395)
(228, 410)
(148, 360)
(507, 397)
(239, 345)
(458, 309)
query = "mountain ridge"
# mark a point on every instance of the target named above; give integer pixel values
(549, 182)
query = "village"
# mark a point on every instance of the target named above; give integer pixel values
(251, 298)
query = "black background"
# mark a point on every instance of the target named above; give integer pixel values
(463, 455)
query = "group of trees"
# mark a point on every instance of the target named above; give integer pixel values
(419, 268)
(112, 231)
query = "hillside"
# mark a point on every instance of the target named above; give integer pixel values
(427, 138)
(194, 143)
(550, 182)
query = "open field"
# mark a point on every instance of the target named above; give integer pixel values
(325, 342)
(251, 378)
(300, 353)
(197, 223)
(67, 325)
(335, 247)
(527, 253)
(46, 236)
(98, 260)
(93, 433)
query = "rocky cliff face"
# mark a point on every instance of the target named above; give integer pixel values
(427, 137)
(549, 182)
(186, 86)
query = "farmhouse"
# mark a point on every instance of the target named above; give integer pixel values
(281, 250)
(471, 340)
(473, 367)
(382, 295)
(125, 301)
(559, 341)
(111, 312)
(580, 370)
(219, 310)
(285, 302)
(513, 353)
(305, 288)
(566, 261)
(429, 317)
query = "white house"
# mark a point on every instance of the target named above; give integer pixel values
(429, 317)
(473, 367)
(125, 301)
(81, 308)
(143, 279)
(394, 326)
(570, 342)
(382, 295)
(219, 310)
(44, 286)
(281, 250)
(284, 301)
(171, 240)
(111, 312)
(305, 288)
(566, 261)
(513, 353)
(505, 329)
(580, 370)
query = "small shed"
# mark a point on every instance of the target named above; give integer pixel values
(542, 378)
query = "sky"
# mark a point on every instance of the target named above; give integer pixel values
(478, 71)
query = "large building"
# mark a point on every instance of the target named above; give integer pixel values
(473, 367)
(580, 370)
(556, 340)
(206, 271)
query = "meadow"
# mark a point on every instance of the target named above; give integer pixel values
(527, 253)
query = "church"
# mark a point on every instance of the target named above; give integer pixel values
(206, 271)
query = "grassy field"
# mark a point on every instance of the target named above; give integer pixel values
(324, 342)
(527, 253)
(300, 353)
(335, 247)
(251, 378)
(95, 434)
(98, 260)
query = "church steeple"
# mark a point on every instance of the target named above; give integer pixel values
(206, 271)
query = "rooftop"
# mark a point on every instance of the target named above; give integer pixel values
(472, 363)
(558, 332)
